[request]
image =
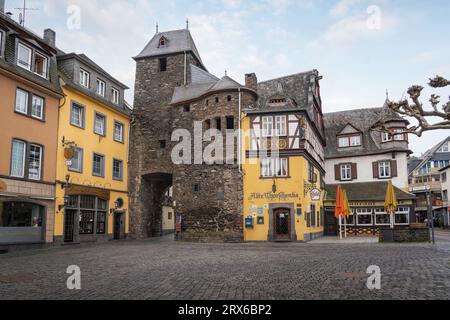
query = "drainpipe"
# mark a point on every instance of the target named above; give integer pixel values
(239, 133)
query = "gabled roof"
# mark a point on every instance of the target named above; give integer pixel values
(178, 41)
(430, 155)
(364, 120)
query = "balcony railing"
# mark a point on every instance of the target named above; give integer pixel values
(425, 186)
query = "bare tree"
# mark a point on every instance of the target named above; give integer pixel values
(421, 115)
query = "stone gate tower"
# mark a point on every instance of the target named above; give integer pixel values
(172, 91)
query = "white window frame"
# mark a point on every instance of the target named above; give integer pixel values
(83, 111)
(270, 167)
(27, 65)
(120, 178)
(381, 212)
(280, 126)
(33, 97)
(355, 141)
(122, 126)
(45, 74)
(115, 95)
(38, 177)
(444, 147)
(101, 87)
(23, 158)
(99, 115)
(383, 166)
(346, 168)
(343, 142)
(399, 135)
(26, 104)
(102, 175)
(364, 212)
(85, 78)
(79, 154)
(267, 126)
(403, 211)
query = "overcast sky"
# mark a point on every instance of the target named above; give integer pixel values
(360, 47)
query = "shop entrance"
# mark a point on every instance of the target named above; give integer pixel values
(119, 226)
(282, 224)
(331, 227)
(69, 223)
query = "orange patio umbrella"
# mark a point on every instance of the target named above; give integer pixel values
(390, 204)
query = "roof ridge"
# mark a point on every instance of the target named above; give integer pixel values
(287, 76)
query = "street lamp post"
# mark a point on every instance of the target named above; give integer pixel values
(430, 213)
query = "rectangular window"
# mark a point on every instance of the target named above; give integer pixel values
(115, 95)
(386, 137)
(267, 126)
(402, 216)
(313, 215)
(101, 221)
(364, 217)
(77, 115)
(84, 78)
(230, 123)
(37, 107)
(86, 222)
(18, 159)
(101, 87)
(382, 218)
(444, 177)
(346, 172)
(399, 135)
(350, 220)
(445, 195)
(35, 162)
(98, 165)
(99, 124)
(118, 132)
(40, 64)
(384, 169)
(162, 64)
(219, 124)
(274, 167)
(117, 169)
(21, 101)
(355, 141)
(77, 161)
(24, 55)
(280, 126)
(444, 148)
(311, 174)
(343, 142)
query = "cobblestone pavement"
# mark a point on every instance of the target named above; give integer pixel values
(167, 270)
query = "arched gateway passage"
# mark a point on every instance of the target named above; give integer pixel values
(154, 193)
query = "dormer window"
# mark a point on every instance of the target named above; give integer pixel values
(394, 135)
(32, 60)
(162, 42)
(349, 141)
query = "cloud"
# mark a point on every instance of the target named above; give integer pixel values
(342, 7)
(352, 29)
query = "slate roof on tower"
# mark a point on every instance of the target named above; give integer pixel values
(177, 41)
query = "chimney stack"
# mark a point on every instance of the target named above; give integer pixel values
(2, 6)
(49, 37)
(251, 81)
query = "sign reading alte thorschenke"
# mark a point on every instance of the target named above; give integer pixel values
(273, 196)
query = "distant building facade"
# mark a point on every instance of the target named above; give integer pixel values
(425, 177)
(445, 183)
(363, 158)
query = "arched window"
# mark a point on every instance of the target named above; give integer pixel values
(162, 41)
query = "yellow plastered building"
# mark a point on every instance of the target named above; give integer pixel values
(92, 155)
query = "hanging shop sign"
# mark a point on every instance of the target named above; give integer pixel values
(316, 194)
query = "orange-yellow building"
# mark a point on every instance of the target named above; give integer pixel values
(284, 161)
(92, 154)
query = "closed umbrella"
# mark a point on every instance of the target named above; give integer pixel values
(339, 210)
(346, 210)
(390, 204)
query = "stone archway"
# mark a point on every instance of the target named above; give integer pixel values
(147, 213)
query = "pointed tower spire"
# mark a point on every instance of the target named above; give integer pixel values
(157, 27)
(187, 23)
(225, 72)
(387, 95)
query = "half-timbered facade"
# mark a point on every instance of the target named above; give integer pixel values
(284, 161)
